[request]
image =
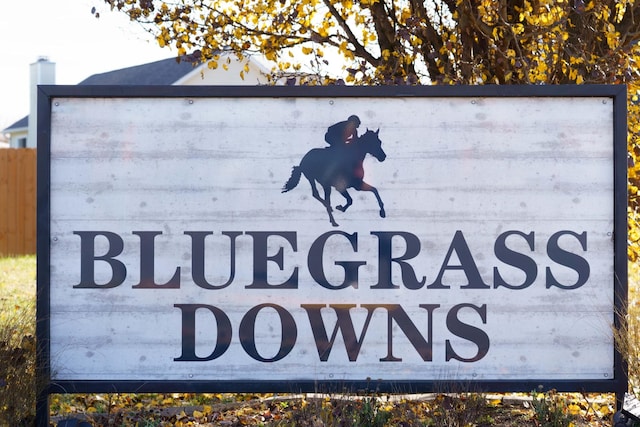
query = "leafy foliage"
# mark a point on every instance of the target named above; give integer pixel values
(409, 41)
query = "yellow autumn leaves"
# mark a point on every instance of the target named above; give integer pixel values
(488, 41)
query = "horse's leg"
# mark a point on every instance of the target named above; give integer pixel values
(314, 191)
(349, 202)
(325, 202)
(327, 198)
(368, 187)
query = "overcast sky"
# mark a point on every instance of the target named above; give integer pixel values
(66, 33)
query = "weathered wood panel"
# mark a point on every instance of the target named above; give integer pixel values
(463, 168)
(17, 202)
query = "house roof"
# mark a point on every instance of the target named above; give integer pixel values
(163, 72)
(20, 124)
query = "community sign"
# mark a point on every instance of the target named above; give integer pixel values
(286, 238)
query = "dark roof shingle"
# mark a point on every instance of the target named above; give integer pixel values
(22, 123)
(163, 72)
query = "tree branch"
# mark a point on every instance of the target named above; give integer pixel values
(359, 49)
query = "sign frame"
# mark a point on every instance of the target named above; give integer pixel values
(48, 94)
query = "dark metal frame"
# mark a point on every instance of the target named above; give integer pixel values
(47, 94)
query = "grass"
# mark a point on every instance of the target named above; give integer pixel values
(463, 409)
(628, 336)
(17, 340)
(18, 280)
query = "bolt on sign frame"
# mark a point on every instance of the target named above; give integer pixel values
(201, 239)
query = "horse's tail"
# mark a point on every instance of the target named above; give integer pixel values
(293, 180)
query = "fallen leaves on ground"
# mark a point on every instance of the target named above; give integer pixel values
(314, 410)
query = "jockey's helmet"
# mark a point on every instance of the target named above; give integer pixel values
(355, 119)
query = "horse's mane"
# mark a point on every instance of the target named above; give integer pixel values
(365, 136)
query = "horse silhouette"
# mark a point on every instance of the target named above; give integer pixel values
(339, 167)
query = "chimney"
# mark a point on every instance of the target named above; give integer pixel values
(42, 72)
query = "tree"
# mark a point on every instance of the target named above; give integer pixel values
(411, 41)
(419, 42)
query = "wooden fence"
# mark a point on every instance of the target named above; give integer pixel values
(17, 201)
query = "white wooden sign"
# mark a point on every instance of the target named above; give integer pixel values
(174, 255)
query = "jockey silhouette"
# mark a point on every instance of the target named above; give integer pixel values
(343, 132)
